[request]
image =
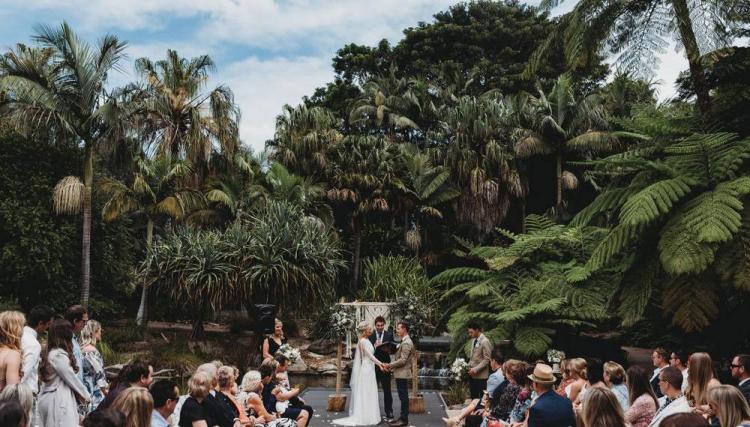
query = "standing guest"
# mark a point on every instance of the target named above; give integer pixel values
(94, 377)
(685, 420)
(740, 368)
(138, 373)
(165, 394)
(729, 406)
(578, 371)
(137, 405)
(12, 414)
(700, 381)
(193, 412)
(62, 389)
(227, 384)
(550, 409)
(641, 398)
(78, 316)
(20, 393)
(11, 330)
(40, 317)
(104, 418)
(269, 398)
(679, 359)
(614, 378)
(379, 337)
(672, 400)
(273, 342)
(479, 362)
(566, 379)
(601, 408)
(660, 360)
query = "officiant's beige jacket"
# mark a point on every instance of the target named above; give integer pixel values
(401, 366)
(480, 358)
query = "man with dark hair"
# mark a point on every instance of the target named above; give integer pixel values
(379, 337)
(401, 368)
(294, 401)
(497, 377)
(165, 394)
(679, 360)
(139, 373)
(77, 315)
(479, 362)
(104, 418)
(271, 393)
(660, 359)
(37, 322)
(740, 368)
(672, 400)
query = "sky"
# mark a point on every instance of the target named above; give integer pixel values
(269, 52)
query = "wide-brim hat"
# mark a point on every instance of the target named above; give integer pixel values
(543, 374)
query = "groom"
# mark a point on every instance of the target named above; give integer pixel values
(401, 369)
(378, 338)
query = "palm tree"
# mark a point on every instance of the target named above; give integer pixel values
(386, 102)
(153, 194)
(640, 29)
(181, 120)
(61, 85)
(559, 125)
(299, 191)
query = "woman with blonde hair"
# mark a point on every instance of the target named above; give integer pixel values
(227, 384)
(249, 398)
(193, 412)
(11, 329)
(273, 342)
(136, 404)
(94, 377)
(20, 393)
(566, 380)
(729, 406)
(614, 378)
(600, 408)
(578, 371)
(701, 379)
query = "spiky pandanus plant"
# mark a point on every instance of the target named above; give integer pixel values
(60, 85)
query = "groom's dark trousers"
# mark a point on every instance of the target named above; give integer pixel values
(384, 379)
(402, 385)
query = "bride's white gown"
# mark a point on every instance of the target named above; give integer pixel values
(364, 405)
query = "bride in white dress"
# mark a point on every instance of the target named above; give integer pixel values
(364, 405)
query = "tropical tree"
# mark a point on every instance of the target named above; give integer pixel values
(299, 191)
(386, 102)
(153, 194)
(561, 125)
(61, 85)
(180, 119)
(639, 30)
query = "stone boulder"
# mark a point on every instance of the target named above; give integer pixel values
(299, 366)
(323, 346)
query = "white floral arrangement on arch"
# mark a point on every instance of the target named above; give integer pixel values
(289, 352)
(459, 369)
(341, 322)
(555, 356)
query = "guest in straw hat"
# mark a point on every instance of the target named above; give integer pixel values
(550, 409)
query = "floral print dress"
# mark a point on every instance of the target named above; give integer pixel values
(94, 377)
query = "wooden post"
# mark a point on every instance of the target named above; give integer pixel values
(416, 400)
(337, 402)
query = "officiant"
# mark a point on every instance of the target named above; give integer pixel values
(383, 342)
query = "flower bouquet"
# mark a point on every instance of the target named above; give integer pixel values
(459, 369)
(555, 357)
(289, 352)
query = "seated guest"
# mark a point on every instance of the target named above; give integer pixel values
(679, 360)
(601, 408)
(138, 373)
(578, 371)
(700, 381)
(193, 412)
(740, 368)
(21, 393)
(672, 400)
(660, 360)
(550, 409)
(685, 420)
(137, 405)
(641, 398)
(729, 406)
(496, 365)
(165, 394)
(614, 378)
(252, 386)
(214, 404)
(475, 407)
(525, 398)
(566, 380)
(104, 418)
(271, 393)
(227, 385)
(503, 401)
(12, 414)
(282, 378)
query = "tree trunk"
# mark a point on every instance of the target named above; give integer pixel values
(558, 177)
(339, 353)
(697, 73)
(356, 254)
(88, 182)
(142, 317)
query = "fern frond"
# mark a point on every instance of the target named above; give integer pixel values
(692, 301)
(532, 341)
(655, 200)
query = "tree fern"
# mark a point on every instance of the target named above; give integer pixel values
(692, 300)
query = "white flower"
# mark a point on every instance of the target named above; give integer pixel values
(459, 368)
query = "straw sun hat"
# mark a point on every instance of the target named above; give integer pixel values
(542, 374)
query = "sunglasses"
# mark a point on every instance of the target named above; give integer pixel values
(734, 366)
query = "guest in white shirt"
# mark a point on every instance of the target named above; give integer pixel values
(673, 401)
(165, 394)
(38, 320)
(679, 360)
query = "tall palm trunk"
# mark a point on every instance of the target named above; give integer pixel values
(142, 317)
(88, 182)
(697, 73)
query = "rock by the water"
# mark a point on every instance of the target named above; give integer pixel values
(323, 346)
(298, 366)
(326, 368)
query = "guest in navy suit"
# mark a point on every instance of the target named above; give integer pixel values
(550, 409)
(660, 358)
(741, 372)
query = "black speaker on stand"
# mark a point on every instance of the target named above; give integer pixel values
(265, 315)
